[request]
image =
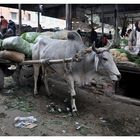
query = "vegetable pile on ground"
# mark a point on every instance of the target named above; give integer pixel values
(123, 42)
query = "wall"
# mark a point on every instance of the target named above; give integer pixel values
(46, 22)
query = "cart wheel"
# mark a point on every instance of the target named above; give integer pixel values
(26, 76)
(1, 78)
(16, 74)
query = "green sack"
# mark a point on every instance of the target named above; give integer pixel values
(18, 44)
(30, 36)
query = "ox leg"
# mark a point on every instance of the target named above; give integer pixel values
(45, 79)
(36, 73)
(73, 93)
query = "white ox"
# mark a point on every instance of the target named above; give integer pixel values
(80, 72)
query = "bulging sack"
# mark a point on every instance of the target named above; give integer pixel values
(30, 36)
(17, 44)
(62, 35)
(12, 56)
(48, 34)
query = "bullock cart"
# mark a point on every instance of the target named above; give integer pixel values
(25, 68)
(22, 72)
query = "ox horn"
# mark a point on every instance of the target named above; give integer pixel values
(94, 48)
(110, 45)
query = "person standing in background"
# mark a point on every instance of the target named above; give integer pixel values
(134, 40)
(93, 36)
(12, 26)
(110, 35)
(39, 29)
(3, 25)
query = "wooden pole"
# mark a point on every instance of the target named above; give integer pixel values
(116, 23)
(38, 17)
(132, 23)
(102, 19)
(68, 17)
(91, 18)
(102, 22)
(20, 18)
(45, 61)
(126, 100)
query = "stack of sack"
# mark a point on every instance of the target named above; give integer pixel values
(17, 48)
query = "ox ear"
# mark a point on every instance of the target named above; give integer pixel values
(96, 62)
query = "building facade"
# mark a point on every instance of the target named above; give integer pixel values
(30, 18)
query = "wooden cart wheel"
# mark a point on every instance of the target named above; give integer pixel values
(1, 78)
(16, 74)
(23, 76)
(26, 76)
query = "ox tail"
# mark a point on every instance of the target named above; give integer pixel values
(36, 49)
(74, 36)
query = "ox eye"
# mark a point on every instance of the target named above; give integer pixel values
(105, 59)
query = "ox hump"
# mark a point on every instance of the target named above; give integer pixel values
(74, 36)
(42, 42)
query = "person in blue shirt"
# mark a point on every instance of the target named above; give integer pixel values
(12, 26)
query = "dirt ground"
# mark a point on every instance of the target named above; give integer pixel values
(98, 115)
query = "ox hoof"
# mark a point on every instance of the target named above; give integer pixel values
(75, 113)
(35, 94)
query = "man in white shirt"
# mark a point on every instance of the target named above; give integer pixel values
(134, 40)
